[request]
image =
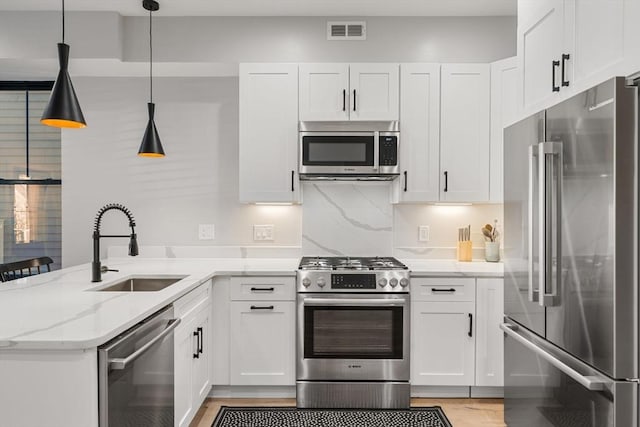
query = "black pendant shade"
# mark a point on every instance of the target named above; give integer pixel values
(63, 110)
(151, 145)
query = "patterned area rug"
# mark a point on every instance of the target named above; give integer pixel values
(292, 417)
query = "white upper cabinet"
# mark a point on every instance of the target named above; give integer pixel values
(594, 37)
(338, 92)
(324, 92)
(420, 133)
(504, 110)
(269, 133)
(464, 132)
(566, 46)
(374, 90)
(540, 47)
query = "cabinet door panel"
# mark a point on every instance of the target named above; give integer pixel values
(464, 133)
(184, 349)
(376, 88)
(324, 92)
(262, 343)
(420, 130)
(443, 353)
(268, 133)
(540, 41)
(202, 365)
(489, 337)
(595, 38)
(504, 111)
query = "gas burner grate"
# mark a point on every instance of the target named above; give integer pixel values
(351, 263)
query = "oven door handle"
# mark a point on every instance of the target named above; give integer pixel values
(121, 363)
(356, 301)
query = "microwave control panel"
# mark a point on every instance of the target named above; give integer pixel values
(388, 150)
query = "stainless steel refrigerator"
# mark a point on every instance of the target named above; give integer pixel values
(571, 261)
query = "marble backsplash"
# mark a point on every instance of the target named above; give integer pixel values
(342, 218)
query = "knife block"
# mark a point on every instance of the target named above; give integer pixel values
(464, 251)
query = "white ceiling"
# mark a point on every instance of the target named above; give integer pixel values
(280, 7)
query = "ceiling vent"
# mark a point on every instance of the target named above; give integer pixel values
(351, 30)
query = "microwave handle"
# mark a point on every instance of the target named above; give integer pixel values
(376, 150)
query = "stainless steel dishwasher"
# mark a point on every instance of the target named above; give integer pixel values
(135, 374)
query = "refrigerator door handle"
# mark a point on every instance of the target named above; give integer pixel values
(588, 382)
(549, 165)
(533, 155)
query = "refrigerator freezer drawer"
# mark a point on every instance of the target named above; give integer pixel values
(546, 387)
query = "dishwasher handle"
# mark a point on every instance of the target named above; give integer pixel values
(117, 364)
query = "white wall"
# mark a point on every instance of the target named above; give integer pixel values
(197, 183)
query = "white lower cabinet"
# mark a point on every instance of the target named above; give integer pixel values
(489, 339)
(455, 334)
(192, 349)
(262, 343)
(442, 343)
(260, 336)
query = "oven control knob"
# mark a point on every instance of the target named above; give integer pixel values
(404, 282)
(393, 282)
(321, 282)
(306, 282)
(382, 282)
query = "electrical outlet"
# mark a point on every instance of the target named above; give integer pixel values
(206, 232)
(263, 232)
(423, 233)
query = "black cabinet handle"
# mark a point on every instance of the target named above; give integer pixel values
(196, 355)
(263, 289)
(405, 181)
(344, 100)
(565, 58)
(554, 64)
(292, 178)
(261, 307)
(354, 100)
(436, 290)
(446, 181)
(470, 325)
(200, 340)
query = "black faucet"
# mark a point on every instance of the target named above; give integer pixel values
(96, 268)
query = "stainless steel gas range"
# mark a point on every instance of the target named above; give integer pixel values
(353, 333)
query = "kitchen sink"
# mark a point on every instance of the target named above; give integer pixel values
(141, 284)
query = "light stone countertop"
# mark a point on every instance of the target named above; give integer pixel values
(59, 310)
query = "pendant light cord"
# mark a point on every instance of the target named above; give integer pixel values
(150, 57)
(62, 21)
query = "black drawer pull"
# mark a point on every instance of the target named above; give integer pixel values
(261, 307)
(263, 289)
(196, 355)
(293, 175)
(554, 64)
(565, 58)
(354, 100)
(470, 325)
(344, 100)
(200, 340)
(450, 290)
(405, 181)
(446, 181)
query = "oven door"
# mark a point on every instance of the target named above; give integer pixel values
(338, 152)
(347, 337)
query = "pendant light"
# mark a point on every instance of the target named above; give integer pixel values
(63, 110)
(151, 146)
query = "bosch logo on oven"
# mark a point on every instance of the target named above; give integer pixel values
(354, 366)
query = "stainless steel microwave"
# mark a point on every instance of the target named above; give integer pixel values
(349, 150)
